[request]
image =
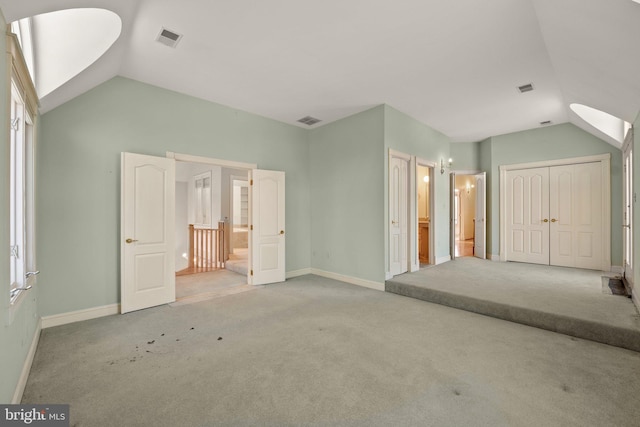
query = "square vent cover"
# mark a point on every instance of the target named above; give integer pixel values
(309, 120)
(168, 37)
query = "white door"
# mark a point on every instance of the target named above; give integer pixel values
(480, 224)
(527, 213)
(147, 231)
(453, 215)
(627, 220)
(398, 181)
(267, 227)
(575, 197)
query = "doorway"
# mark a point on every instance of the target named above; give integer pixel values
(211, 257)
(464, 215)
(424, 203)
(628, 199)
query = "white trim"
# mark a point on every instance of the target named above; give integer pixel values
(467, 172)
(443, 259)
(399, 155)
(557, 162)
(348, 279)
(297, 273)
(494, 257)
(79, 315)
(635, 298)
(618, 269)
(388, 276)
(412, 226)
(605, 162)
(26, 368)
(410, 214)
(432, 211)
(210, 161)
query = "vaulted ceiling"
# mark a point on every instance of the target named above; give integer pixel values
(455, 65)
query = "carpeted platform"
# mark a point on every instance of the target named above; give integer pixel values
(558, 299)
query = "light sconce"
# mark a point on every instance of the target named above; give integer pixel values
(442, 165)
(469, 187)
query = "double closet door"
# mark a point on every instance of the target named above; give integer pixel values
(554, 215)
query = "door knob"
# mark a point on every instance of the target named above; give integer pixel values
(545, 220)
(553, 220)
(281, 231)
(131, 240)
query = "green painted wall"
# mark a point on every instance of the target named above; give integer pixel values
(79, 178)
(16, 334)
(466, 156)
(550, 143)
(407, 135)
(347, 204)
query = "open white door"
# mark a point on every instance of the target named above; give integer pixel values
(480, 232)
(452, 215)
(147, 231)
(627, 208)
(267, 227)
(398, 215)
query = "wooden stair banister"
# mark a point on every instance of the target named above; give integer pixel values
(206, 247)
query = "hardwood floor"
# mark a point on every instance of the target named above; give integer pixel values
(464, 248)
(194, 270)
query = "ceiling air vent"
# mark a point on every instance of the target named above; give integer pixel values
(309, 120)
(168, 38)
(525, 88)
(546, 122)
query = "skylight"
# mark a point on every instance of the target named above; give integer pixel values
(66, 42)
(610, 125)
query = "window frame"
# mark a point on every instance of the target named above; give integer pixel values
(21, 91)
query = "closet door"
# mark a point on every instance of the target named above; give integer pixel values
(575, 197)
(528, 215)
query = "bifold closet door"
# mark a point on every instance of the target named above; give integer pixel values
(575, 198)
(527, 209)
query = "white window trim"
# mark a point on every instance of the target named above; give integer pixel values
(20, 77)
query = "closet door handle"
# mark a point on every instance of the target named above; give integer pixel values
(545, 220)
(553, 220)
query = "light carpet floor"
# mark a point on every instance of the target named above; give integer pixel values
(317, 352)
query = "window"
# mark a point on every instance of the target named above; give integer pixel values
(20, 195)
(23, 107)
(202, 196)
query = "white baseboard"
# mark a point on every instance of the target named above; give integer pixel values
(348, 279)
(296, 273)
(443, 259)
(80, 315)
(26, 368)
(617, 269)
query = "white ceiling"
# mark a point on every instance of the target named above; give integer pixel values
(452, 64)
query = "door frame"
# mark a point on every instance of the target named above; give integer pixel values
(605, 166)
(628, 195)
(413, 202)
(232, 179)
(179, 157)
(410, 209)
(480, 204)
